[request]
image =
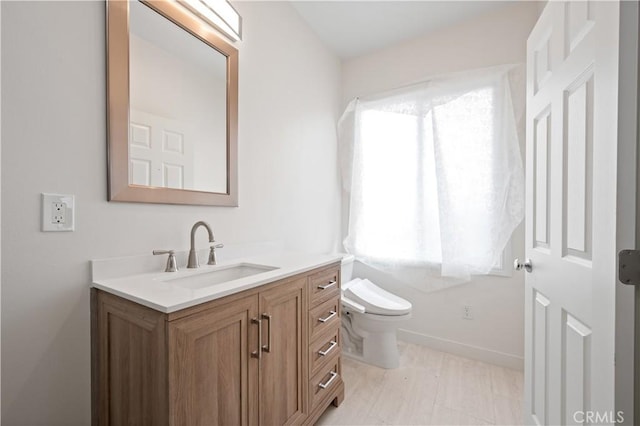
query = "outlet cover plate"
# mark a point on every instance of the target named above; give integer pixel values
(467, 312)
(54, 221)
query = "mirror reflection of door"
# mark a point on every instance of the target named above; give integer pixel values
(178, 133)
(160, 152)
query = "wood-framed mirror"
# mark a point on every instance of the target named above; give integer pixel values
(172, 113)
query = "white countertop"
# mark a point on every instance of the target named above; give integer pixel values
(152, 289)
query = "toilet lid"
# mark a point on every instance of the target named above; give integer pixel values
(376, 300)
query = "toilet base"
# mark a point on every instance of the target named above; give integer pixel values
(378, 345)
(387, 361)
(381, 349)
(354, 355)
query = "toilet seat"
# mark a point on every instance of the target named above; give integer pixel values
(374, 299)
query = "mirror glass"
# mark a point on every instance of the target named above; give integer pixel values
(172, 91)
(177, 106)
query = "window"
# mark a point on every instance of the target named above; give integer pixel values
(435, 176)
(399, 193)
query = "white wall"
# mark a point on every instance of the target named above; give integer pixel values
(499, 37)
(54, 133)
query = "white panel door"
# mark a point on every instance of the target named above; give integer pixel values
(160, 152)
(572, 88)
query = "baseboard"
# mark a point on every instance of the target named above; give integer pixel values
(474, 352)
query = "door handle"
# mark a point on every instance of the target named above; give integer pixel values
(527, 265)
(258, 353)
(267, 347)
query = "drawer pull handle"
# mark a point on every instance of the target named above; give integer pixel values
(329, 349)
(331, 315)
(328, 285)
(258, 353)
(328, 383)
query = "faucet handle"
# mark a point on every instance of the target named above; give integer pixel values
(172, 265)
(212, 253)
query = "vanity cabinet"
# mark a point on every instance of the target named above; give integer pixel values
(244, 359)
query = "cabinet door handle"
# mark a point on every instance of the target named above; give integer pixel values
(258, 353)
(329, 349)
(331, 315)
(329, 284)
(267, 347)
(328, 382)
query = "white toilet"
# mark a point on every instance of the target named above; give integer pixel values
(371, 317)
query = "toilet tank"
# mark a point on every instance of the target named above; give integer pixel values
(346, 268)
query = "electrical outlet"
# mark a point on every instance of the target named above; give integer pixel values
(466, 312)
(58, 212)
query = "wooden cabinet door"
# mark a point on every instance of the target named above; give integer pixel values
(129, 363)
(213, 379)
(283, 370)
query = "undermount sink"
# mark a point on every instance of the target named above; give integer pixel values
(220, 275)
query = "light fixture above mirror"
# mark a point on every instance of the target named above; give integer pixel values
(218, 13)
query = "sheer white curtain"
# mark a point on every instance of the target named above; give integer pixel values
(434, 174)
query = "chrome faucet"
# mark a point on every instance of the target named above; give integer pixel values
(193, 255)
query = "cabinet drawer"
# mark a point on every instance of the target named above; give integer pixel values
(324, 285)
(324, 382)
(324, 317)
(323, 349)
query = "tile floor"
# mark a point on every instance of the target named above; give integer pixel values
(429, 388)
